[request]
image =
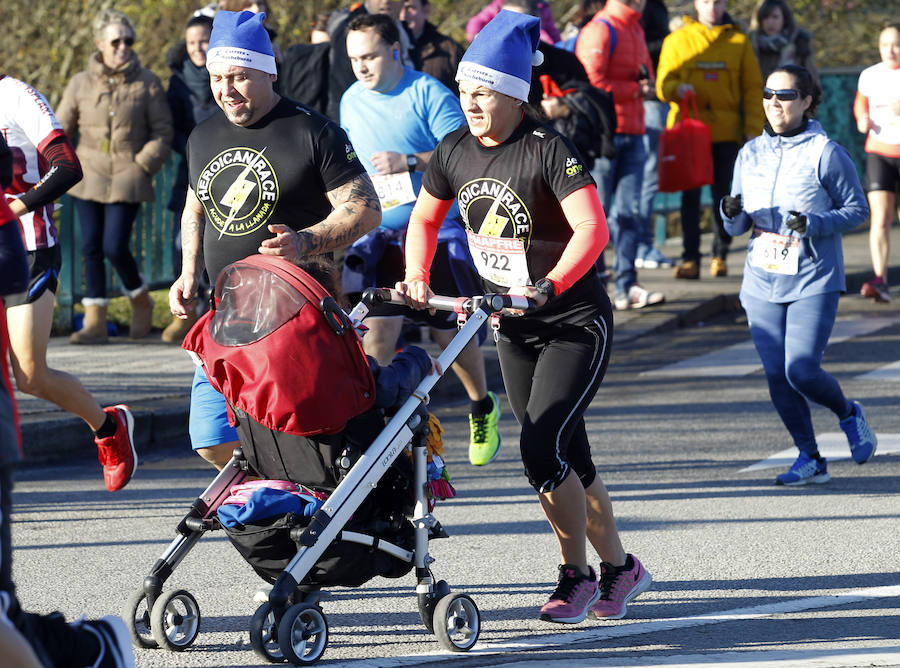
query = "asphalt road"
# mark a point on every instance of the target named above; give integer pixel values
(744, 572)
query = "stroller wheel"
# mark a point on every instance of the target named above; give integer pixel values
(427, 602)
(137, 617)
(175, 620)
(303, 633)
(457, 622)
(264, 634)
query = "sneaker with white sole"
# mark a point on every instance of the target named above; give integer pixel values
(638, 297)
(574, 595)
(805, 470)
(619, 586)
(114, 642)
(652, 258)
(116, 453)
(860, 436)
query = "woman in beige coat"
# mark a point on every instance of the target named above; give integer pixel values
(119, 109)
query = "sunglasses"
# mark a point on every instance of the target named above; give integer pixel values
(127, 41)
(784, 95)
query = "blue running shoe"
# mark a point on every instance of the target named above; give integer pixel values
(860, 436)
(805, 470)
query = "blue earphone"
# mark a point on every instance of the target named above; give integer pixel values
(396, 55)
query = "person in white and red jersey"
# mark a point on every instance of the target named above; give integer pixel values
(44, 167)
(27, 639)
(877, 110)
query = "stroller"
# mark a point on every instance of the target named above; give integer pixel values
(376, 519)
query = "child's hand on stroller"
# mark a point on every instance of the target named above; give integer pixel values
(417, 293)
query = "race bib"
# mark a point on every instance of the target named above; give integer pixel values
(776, 253)
(393, 189)
(499, 260)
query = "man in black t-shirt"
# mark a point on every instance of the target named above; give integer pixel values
(269, 176)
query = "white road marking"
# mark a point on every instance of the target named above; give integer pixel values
(742, 359)
(832, 446)
(800, 658)
(586, 635)
(888, 372)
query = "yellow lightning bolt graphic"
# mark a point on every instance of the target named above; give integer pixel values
(493, 225)
(238, 192)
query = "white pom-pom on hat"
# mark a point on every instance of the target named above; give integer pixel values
(537, 59)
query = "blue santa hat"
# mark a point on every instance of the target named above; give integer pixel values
(239, 38)
(501, 55)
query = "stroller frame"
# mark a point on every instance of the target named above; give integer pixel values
(291, 626)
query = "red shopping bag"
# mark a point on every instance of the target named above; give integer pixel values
(685, 152)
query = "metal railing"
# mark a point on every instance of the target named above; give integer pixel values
(151, 240)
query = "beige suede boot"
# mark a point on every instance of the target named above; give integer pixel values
(176, 330)
(94, 328)
(141, 313)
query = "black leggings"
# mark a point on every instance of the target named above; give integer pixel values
(724, 155)
(551, 377)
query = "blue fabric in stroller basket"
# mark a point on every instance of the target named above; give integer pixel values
(264, 503)
(266, 544)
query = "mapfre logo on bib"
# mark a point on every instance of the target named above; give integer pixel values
(490, 207)
(239, 191)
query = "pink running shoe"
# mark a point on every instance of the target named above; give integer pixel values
(618, 586)
(574, 595)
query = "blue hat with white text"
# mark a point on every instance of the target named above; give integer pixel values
(239, 38)
(502, 54)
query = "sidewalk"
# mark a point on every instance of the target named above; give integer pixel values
(154, 378)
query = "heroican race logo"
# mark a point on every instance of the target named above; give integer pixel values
(239, 190)
(498, 229)
(490, 208)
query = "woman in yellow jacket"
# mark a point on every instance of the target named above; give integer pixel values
(710, 56)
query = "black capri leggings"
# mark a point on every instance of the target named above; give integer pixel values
(551, 377)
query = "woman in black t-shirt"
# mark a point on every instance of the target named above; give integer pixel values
(535, 227)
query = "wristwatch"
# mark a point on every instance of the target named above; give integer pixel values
(545, 287)
(412, 161)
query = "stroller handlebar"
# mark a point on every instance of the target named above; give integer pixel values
(492, 303)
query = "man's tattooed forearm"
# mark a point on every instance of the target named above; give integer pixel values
(356, 212)
(358, 192)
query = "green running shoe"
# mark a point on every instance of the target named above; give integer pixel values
(484, 435)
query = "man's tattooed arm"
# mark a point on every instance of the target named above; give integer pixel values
(356, 212)
(192, 227)
(184, 289)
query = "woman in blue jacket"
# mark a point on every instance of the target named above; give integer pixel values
(799, 192)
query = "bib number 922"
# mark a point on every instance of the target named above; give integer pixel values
(495, 261)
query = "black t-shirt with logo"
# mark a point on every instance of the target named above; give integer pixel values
(509, 198)
(275, 171)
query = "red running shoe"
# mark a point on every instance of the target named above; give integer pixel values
(116, 453)
(876, 289)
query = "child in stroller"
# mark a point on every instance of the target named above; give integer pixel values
(307, 405)
(315, 463)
